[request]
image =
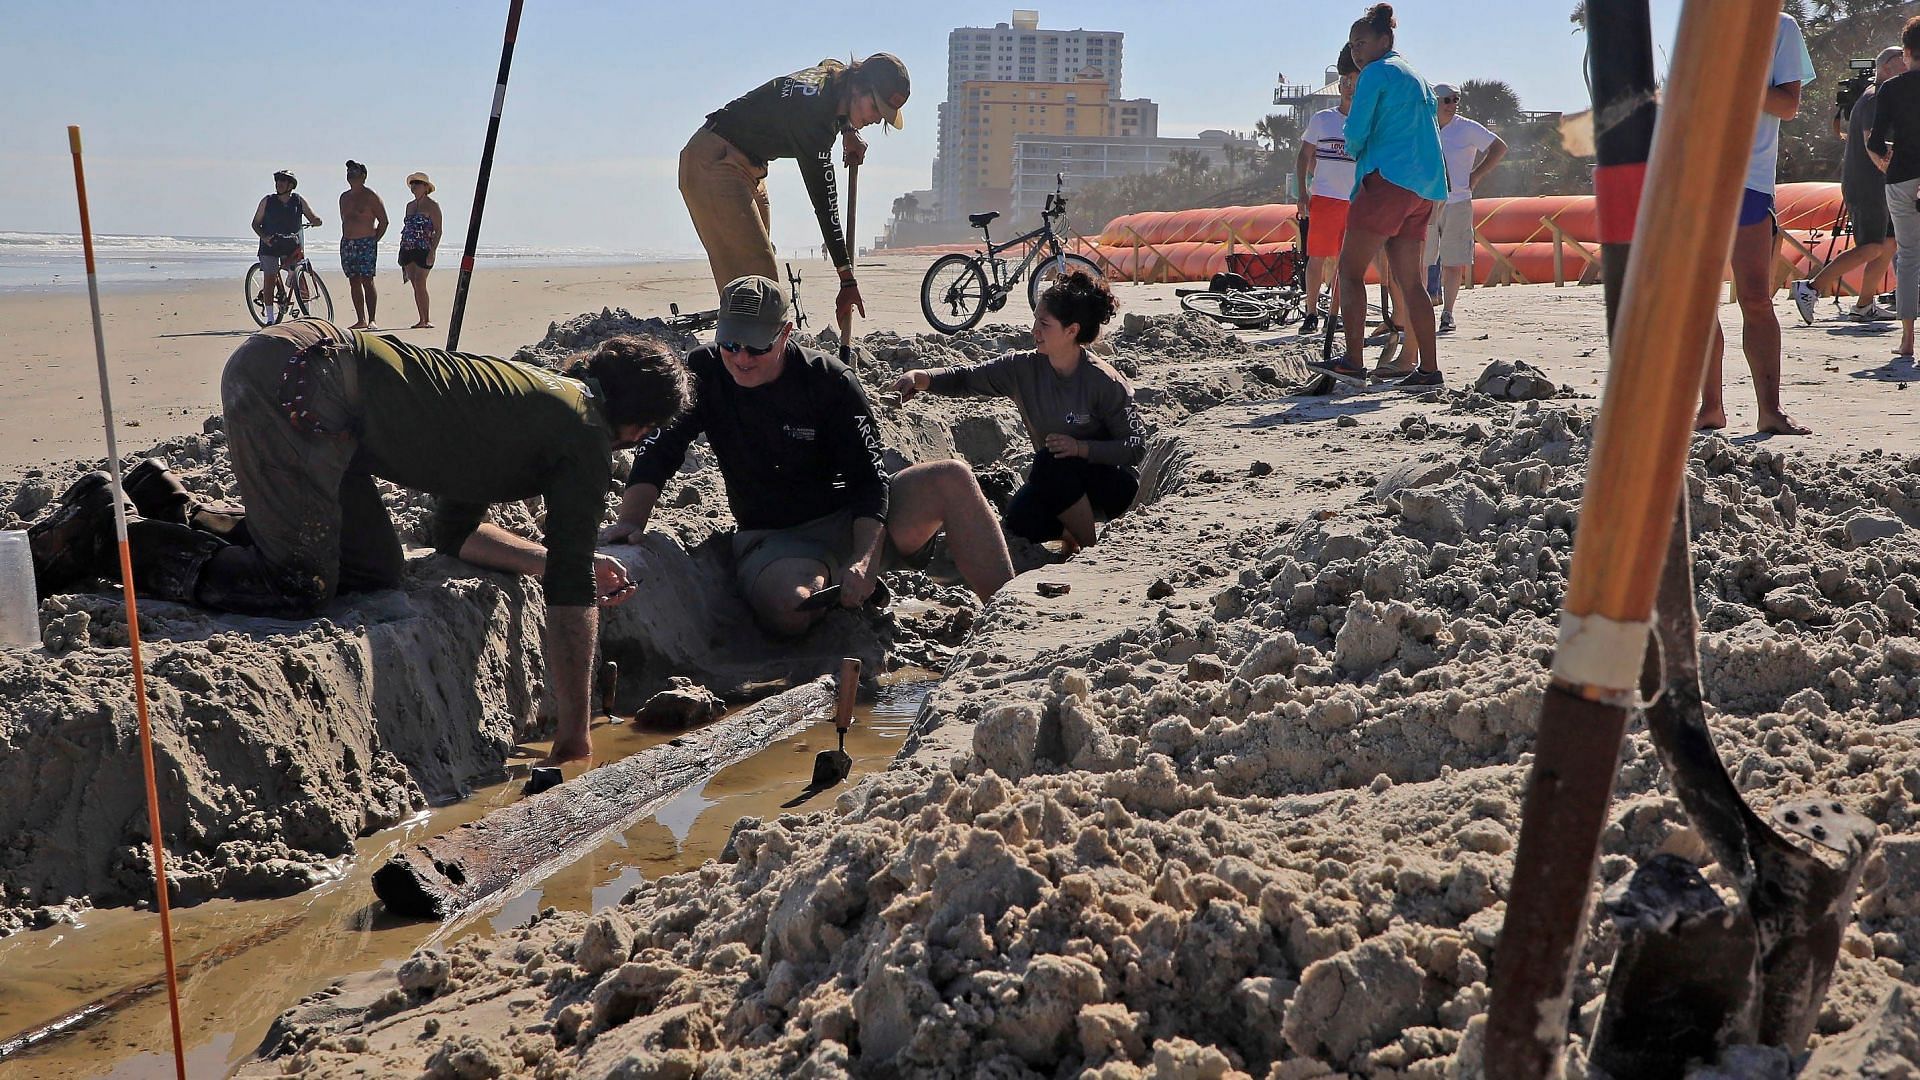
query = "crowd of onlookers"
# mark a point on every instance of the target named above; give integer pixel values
(282, 218)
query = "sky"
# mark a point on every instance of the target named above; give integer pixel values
(188, 106)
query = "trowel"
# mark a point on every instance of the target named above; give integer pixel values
(832, 766)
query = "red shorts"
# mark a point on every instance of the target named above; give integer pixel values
(1329, 226)
(1384, 207)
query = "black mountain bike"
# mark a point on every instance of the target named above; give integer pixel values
(961, 288)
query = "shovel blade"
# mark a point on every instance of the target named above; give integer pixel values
(830, 767)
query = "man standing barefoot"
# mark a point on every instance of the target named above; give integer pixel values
(363, 221)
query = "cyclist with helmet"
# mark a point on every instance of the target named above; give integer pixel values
(280, 221)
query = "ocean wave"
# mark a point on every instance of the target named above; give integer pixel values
(120, 246)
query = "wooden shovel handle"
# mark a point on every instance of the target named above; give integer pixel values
(1667, 317)
(848, 687)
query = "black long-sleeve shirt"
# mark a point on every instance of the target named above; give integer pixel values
(796, 116)
(1094, 404)
(1896, 119)
(801, 447)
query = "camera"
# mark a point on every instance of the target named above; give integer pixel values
(1854, 85)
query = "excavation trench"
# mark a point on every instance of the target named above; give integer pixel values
(84, 1000)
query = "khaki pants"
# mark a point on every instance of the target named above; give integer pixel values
(726, 193)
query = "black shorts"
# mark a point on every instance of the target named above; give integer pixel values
(1055, 484)
(1872, 224)
(420, 257)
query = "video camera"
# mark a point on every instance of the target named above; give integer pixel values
(1854, 85)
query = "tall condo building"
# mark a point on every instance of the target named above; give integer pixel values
(1019, 51)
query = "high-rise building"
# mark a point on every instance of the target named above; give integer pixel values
(1019, 51)
(998, 113)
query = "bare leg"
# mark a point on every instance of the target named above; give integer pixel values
(1456, 276)
(418, 275)
(776, 594)
(1316, 277)
(1875, 276)
(1906, 339)
(1078, 521)
(1753, 253)
(1355, 255)
(1713, 408)
(1828, 279)
(357, 287)
(1403, 258)
(373, 302)
(1408, 358)
(925, 498)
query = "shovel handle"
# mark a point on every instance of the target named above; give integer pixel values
(849, 688)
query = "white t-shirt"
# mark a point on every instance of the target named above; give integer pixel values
(1462, 142)
(1791, 63)
(1332, 168)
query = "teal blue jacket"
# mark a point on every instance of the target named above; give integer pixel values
(1392, 129)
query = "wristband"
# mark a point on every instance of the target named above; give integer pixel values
(847, 282)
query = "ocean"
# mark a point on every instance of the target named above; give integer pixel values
(38, 261)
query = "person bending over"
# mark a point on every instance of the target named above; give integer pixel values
(1087, 435)
(315, 413)
(723, 169)
(800, 455)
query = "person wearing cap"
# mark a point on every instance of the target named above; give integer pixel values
(419, 240)
(280, 221)
(363, 221)
(1471, 152)
(315, 413)
(797, 446)
(723, 169)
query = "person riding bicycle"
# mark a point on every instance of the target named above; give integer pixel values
(723, 169)
(1079, 411)
(280, 221)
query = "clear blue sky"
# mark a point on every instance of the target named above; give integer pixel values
(182, 137)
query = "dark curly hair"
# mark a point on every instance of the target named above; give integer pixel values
(643, 381)
(1079, 299)
(1345, 64)
(1378, 20)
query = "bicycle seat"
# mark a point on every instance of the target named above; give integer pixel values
(980, 221)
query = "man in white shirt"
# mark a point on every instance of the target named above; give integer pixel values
(1326, 184)
(1471, 152)
(1755, 244)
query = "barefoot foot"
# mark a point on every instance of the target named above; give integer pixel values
(1710, 420)
(1781, 424)
(423, 326)
(563, 752)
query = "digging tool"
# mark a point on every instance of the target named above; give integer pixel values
(832, 766)
(821, 598)
(486, 174)
(155, 836)
(853, 249)
(793, 299)
(1659, 352)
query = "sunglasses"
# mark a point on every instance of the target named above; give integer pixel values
(1449, 101)
(735, 346)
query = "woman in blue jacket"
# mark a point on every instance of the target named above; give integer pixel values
(1394, 140)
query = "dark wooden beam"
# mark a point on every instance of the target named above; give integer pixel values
(516, 846)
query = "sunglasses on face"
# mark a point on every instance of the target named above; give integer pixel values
(1449, 101)
(736, 347)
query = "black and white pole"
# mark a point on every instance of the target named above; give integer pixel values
(486, 170)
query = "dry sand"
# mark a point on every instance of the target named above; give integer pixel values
(1241, 803)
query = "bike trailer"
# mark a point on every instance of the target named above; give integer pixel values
(1265, 268)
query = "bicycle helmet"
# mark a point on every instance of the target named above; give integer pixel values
(287, 175)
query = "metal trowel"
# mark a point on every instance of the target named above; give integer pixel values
(832, 766)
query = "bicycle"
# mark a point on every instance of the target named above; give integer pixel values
(965, 286)
(301, 289)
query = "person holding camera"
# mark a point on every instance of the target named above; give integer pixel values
(1864, 188)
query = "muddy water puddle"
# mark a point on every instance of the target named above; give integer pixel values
(244, 962)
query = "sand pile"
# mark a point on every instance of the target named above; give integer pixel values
(1259, 822)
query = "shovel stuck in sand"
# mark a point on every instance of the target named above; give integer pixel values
(832, 766)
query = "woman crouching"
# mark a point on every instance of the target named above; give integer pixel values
(1086, 433)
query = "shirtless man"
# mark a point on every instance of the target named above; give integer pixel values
(363, 221)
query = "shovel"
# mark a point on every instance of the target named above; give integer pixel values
(832, 766)
(853, 247)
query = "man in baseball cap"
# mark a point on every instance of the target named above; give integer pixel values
(800, 453)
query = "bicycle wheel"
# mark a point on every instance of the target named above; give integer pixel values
(1235, 311)
(264, 313)
(1050, 271)
(953, 296)
(311, 292)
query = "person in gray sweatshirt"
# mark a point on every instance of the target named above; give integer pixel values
(1079, 411)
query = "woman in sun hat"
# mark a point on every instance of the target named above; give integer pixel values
(419, 239)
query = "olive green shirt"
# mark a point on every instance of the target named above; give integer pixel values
(474, 430)
(794, 116)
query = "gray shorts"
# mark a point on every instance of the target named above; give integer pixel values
(1450, 235)
(826, 540)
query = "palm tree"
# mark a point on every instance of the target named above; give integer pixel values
(1491, 102)
(1278, 130)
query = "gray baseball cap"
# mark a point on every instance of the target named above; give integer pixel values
(752, 312)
